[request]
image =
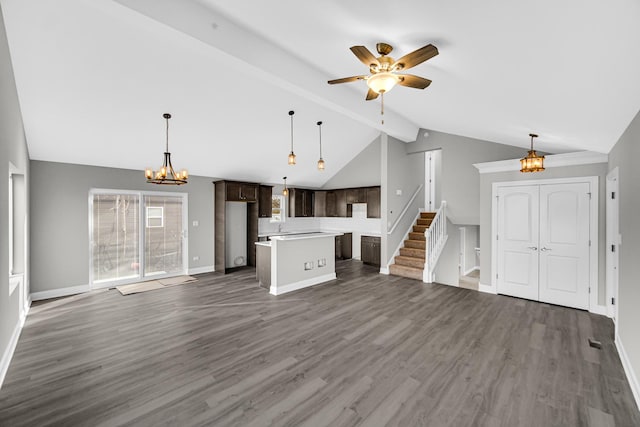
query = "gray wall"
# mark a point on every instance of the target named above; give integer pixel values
(624, 155)
(457, 182)
(13, 148)
(60, 219)
(486, 181)
(405, 172)
(362, 171)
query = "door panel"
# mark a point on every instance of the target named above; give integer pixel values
(564, 244)
(518, 241)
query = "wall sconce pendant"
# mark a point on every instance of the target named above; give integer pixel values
(532, 162)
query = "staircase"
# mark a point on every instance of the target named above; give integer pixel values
(410, 262)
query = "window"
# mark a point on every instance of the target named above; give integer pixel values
(277, 208)
(155, 217)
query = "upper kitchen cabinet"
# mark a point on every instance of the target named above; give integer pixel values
(373, 202)
(301, 202)
(264, 201)
(241, 191)
(356, 195)
(320, 203)
(336, 203)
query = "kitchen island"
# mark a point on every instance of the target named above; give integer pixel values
(294, 261)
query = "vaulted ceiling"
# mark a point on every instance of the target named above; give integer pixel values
(94, 78)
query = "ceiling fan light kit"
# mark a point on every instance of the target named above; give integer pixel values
(532, 162)
(384, 70)
(166, 175)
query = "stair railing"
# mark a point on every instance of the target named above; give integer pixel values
(436, 236)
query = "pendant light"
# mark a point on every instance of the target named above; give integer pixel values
(321, 161)
(532, 162)
(292, 156)
(285, 192)
(166, 175)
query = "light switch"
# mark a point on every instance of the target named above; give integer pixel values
(398, 192)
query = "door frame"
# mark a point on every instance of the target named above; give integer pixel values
(141, 219)
(613, 238)
(594, 307)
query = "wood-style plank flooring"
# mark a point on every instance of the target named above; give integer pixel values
(366, 349)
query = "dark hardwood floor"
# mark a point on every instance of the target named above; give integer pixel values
(366, 349)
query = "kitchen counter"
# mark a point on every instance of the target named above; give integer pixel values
(296, 260)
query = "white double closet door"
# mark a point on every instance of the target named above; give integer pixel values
(543, 243)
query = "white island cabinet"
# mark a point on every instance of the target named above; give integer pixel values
(294, 261)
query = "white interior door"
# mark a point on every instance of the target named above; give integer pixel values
(518, 224)
(564, 244)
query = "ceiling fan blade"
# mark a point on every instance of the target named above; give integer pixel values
(416, 57)
(346, 80)
(416, 82)
(371, 95)
(365, 56)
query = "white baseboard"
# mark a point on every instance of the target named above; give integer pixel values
(301, 284)
(487, 289)
(57, 293)
(598, 309)
(384, 270)
(628, 370)
(201, 270)
(472, 269)
(13, 342)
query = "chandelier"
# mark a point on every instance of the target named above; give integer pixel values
(166, 175)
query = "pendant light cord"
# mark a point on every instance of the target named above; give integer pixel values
(320, 133)
(167, 149)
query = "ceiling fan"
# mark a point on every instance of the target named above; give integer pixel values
(384, 69)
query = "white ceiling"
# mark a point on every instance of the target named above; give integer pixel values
(95, 77)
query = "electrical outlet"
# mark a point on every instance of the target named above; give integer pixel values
(196, 223)
(308, 265)
(322, 262)
(196, 258)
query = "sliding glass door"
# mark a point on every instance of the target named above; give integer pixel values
(136, 236)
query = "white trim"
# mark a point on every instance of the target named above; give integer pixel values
(8, 352)
(628, 370)
(550, 161)
(598, 309)
(594, 286)
(202, 270)
(612, 212)
(472, 269)
(488, 289)
(62, 292)
(15, 281)
(13, 342)
(384, 270)
(279, 290)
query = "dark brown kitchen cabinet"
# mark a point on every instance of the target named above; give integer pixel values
(300, 202)
(320, 203)
(370, 250)
(343, 246)
(356, 195)
(373, 202)
(234, 191)
(264, 201)
(336, 203)
(241, 191)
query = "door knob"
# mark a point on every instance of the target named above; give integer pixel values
(544, 249)
(533, 248)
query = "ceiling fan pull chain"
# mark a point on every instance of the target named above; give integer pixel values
(382, 106)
